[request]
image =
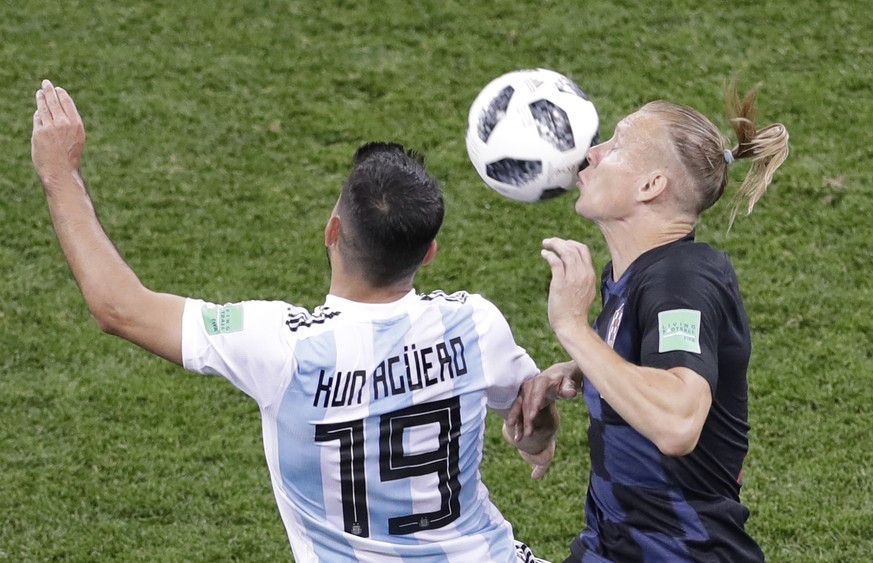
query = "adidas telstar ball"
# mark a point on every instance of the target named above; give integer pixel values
(528, 133)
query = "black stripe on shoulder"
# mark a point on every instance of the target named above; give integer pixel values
(457, 297)
(299, 317)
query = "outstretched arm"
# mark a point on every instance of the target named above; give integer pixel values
(120, 304)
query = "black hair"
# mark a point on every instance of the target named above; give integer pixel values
(390, 211)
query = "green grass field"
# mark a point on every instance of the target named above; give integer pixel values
(219, 135)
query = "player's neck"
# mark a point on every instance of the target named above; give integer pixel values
(628, 242)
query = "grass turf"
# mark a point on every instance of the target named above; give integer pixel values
(219, 134)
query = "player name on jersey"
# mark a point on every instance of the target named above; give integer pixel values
(415, 368)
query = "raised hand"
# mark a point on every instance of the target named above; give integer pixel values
(58, 135)
(574, 282)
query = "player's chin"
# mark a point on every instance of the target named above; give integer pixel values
(581, 206)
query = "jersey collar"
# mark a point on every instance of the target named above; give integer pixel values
(642, 262)
(370, 310)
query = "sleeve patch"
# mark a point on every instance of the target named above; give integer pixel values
(679, 329)
(222, 319)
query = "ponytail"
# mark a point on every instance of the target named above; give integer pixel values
(767, 148)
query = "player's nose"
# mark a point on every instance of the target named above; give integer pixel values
(593, 156)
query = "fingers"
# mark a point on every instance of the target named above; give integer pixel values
(42, 109)
(568, 389)
(68, 105)
(569, 252)
(551, 256)
(536, 394)
(530, 405)
(568, 259)
(53, 103)
(554, 261)
(515, 413)
(541, 462)
(538, 472)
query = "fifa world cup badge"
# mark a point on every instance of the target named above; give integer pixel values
(614, 323)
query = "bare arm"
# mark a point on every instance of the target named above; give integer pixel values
(667, 406)
(120, 304)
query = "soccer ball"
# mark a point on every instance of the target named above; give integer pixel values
(528, 133)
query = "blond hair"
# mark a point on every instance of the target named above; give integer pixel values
(705, 154)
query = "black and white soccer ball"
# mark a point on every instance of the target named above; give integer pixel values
(528, 133)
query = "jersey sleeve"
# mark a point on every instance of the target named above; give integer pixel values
(506, 364)
(242, 342)
(681, 313)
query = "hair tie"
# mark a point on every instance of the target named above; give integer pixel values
(728, 156)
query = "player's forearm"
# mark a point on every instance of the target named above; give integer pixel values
(106, 281)
(656, 402)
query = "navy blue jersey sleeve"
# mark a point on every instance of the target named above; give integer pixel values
(681, 309)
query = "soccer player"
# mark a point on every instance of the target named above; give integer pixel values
(373, 404)
(663, 369)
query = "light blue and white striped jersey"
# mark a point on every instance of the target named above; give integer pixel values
(373, 418)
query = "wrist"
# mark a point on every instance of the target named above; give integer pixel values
(569, 330)
(61, 180)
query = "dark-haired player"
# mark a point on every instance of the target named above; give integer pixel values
(373, 404)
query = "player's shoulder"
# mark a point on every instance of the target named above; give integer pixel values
(269, 307)
(688, 271)
(269, 312)
(457, 299)
(298, 317)
(462, 306)
(440, 296)
(236, 312)
(686, 260)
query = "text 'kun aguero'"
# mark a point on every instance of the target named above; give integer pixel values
(415, 368)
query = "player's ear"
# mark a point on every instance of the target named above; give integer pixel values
(431, 252)
(652, 187)
(332, 231)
